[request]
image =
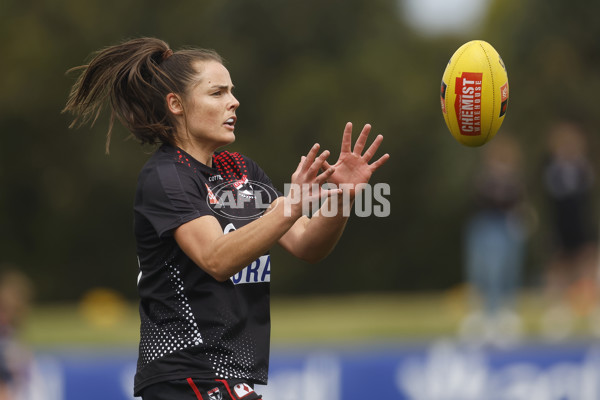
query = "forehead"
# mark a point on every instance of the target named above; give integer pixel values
(211, 73)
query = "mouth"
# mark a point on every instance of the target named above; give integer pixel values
(230, 123)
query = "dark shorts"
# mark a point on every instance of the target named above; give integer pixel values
(196, 389)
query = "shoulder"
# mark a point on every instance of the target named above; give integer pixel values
(166, 166)
(167, 158)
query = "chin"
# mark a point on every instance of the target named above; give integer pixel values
(228, 140)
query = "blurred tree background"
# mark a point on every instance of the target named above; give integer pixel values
(301, 69)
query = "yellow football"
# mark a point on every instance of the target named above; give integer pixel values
(474, 93)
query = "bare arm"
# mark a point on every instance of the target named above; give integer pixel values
(222, 256)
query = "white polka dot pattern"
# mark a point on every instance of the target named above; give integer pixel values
(175, 329)
(240, 359)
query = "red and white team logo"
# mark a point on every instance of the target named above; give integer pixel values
(215, 394)
(242, 390)
(244, 187)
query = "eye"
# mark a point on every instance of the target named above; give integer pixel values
(217, 93)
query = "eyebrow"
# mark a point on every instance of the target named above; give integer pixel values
(221, 87)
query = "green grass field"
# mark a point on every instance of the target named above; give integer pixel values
(325, 319)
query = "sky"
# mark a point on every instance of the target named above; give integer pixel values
(438, 17)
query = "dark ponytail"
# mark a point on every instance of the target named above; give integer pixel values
(135, 77)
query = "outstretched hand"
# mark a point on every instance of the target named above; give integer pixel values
(352, 167)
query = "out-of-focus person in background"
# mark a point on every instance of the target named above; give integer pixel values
(15, 297)
(571, 273)
(494, 245)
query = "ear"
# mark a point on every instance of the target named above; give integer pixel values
(174, 104)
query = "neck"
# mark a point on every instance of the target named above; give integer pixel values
(200, 154)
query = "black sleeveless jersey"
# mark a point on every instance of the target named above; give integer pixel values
(191, 324)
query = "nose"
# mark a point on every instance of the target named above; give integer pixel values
(234, 103)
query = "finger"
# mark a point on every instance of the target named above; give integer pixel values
(323, 176)
(300, 163)
(382, 160)
(310, 157)
(362, 139)
(318, 163)
(299, 167)
(347, 139)
(373, 148)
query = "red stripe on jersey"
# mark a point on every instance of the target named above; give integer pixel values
(194, 388)
(224, 382)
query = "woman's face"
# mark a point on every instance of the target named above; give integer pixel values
(210, 107)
